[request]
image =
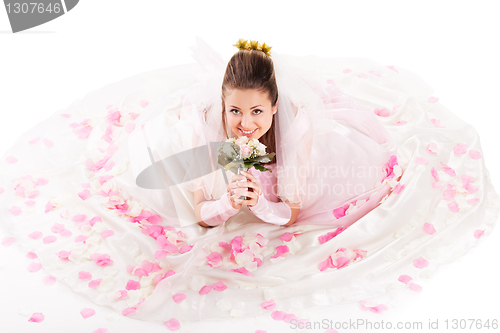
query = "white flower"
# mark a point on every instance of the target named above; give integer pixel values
(242, 140)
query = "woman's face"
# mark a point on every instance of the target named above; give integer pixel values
(249, 110)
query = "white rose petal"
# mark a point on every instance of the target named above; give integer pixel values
(235, 313)
(224, 305)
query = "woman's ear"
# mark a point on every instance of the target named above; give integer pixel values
(275, 108)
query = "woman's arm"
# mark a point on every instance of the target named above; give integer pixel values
(210, 213)
(199, 201)
(295, 212)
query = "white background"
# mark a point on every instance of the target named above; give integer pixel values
(452, 45)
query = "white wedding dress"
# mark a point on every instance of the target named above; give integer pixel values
(68, 193)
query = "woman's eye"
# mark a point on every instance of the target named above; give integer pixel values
(260, 111)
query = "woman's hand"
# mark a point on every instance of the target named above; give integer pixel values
(238, 189)
(233, 196)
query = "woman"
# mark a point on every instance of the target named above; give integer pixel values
(249, 105)
(97, 213)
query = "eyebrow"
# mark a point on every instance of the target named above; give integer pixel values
(253, 107)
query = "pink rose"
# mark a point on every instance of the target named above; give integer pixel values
(245, 151)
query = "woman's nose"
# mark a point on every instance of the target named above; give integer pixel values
(246, 123)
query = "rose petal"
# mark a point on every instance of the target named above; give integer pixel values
(14, 210)
(405, 278)
(35, 235)
(82, 275)
(268, 305)
(133, 285)
(278, 315)
(172, 324)
(420, 262)
(49, 280)
(101, 330)
(94, 283)
(87, 312)
(34, 267)
(429, 228)
(415, 287)
(8, 241)
(179, 297)
(478, 233)
(37, 317)
(474, 154)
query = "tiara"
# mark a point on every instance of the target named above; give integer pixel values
(243, 44)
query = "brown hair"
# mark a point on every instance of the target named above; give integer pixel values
(252, 69)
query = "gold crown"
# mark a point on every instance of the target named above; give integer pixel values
(243, 44)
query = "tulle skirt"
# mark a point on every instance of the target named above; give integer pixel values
(68, 195)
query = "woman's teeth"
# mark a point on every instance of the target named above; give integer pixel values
(249, 132)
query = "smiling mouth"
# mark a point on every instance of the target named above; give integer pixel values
(248, 132)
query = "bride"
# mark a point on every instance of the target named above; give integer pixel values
(374, 186)
(250, 105)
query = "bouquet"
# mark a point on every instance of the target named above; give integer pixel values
(242, 154)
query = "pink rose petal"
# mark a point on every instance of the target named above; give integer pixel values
(37, 317)
(453, 206)
(472, 201)
(172, 324)
(34, 267)
(35, 235)
(394, 69)
(405, 278)
(415, 287)
(48, 143)
(8, 241)
(219, 286)
(63, 254)
(179, 297)
(107, 233)
(288, 318)
(49, 239)
(57, 228)
(133, 285)
(287, 236)
(49, 280)
(84, 194)
(14, 210)
(433, 99)
(87, 312)
(82, 275)
(128, 311)
(478, 233)
(31, 255)
(429, 228)
(101, 330)
(205, 290)
(460, 149)
(278, 315)
(94, 283)
(420, 262)
(143, 103)
(11, 159)
(474, 154)
(269, 305)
